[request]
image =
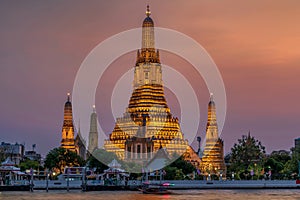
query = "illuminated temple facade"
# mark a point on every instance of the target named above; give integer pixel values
(147, 124)
(68, 141)
(213, 154)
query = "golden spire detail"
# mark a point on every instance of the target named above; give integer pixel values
(148, 12)
(68, 96)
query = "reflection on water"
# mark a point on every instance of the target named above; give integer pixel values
(132, 195)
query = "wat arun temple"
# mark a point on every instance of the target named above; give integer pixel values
(147, 123)
(147, 128)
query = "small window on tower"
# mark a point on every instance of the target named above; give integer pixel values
(146, 75)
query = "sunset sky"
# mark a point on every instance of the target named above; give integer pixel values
(255, 44)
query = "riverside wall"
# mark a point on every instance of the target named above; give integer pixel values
(180, 184)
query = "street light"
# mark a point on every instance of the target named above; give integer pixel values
(47, 179)
(68, 178)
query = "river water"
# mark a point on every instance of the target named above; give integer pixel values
(132, 195)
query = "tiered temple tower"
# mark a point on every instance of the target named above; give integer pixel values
(67, 141)
(147, 123)
(93, 135)
(213, 155)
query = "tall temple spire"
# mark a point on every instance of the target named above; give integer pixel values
(67, 141)
(93, 135)
(148, 68)
(211, 126)
(148, 31)
(213, 155)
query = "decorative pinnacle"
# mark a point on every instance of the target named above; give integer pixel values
(211, 97)
(68, 96)
(148, 12)
(94, 108)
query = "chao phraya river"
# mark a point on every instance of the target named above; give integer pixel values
(132, 195)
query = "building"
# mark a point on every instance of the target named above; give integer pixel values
(93, 134)
(147, 124)
(68, 141)
(213, 155)
(33, 155)
(15, 152)
(192, 157)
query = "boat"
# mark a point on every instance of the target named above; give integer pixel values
(159, 189)
(156, 191)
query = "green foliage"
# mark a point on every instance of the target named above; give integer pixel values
(28, 164)
(93, 162)
(276, 162)
(101, 158)
(2, 155)
(291, 167)
(185, 166)
(170, 173)
(281, 156)
(246, 155)
(179, 175)
(104, 156)
(178, 169)
(57, 159)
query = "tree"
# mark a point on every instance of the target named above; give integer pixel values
(100, 159)
(186, 167)
(276, 162)
(94, 163)
(178, 169)
(29, 164)
(57, 159)
(170, 173)
(104, 156)
(2, 154)
(246, 156)
(291, 169)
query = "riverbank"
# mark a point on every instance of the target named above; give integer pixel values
(14, 188)
(173, 185)
(277, 194)
(249, 184)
